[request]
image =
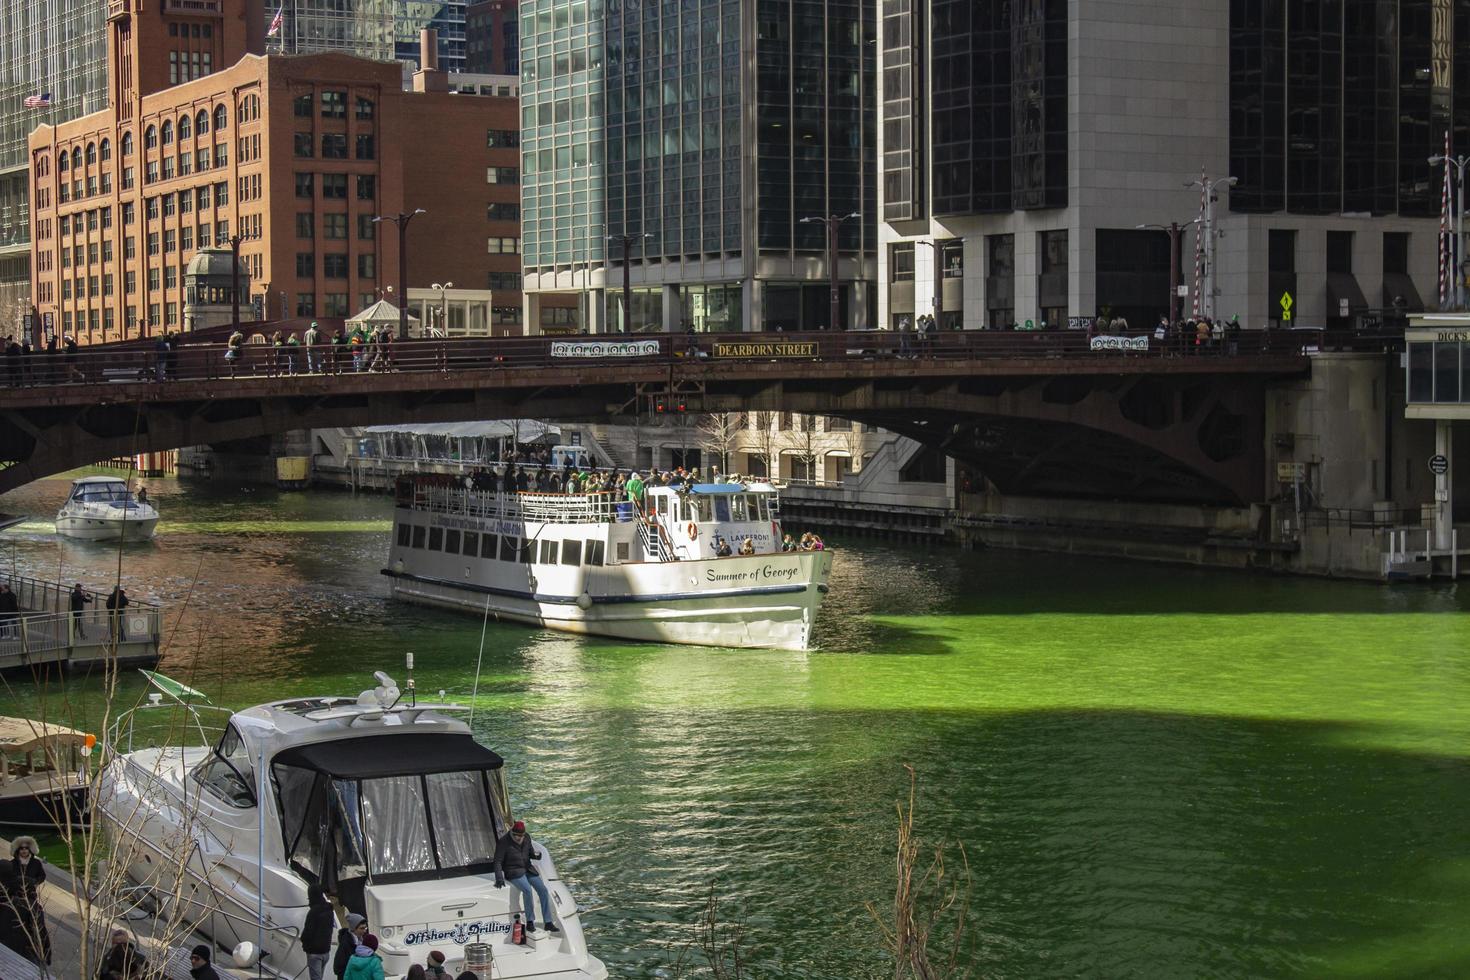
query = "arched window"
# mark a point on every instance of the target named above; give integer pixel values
(91, 153)
(127, 144)
(106, 149)
(201, 122)
(150, 138)
(221, 119)
(76, 159)
(62, 162)
(168, 132)
(183, 127)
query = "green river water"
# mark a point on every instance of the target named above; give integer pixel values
(1154, 771)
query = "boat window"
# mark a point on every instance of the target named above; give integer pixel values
(405, 532)
(594, 552)
(436, 539)
(508, 548)
(722, 507)
(740, 508)
(227, 772)
(451, 542)
(702, 510)
(471, 544)
(622, 550)
(571, 552)
(548, 552)
(526, 551)
(418, 536)
(759, 509)
(464, 827)
(488, 545)
(396, 825)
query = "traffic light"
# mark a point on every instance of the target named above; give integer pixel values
(660, 406)
(679, 407)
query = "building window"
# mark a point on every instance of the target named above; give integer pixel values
(304, 223)
(169, 240)
(185, 128)
(367, 265)
(504, 280)
(334, 266)
(334, 227)
(335, 304)
(150, 139)
(221, 150)
(502, 137)
(169, 206)
(901, 262)
(364, 108)
(201, 198)
(334, 106)
(1396, 253)
(127, 144)
(502, 175)
(221, 119)
(301, 106)
(170, 278)
(365, 227)
(186, 238)
(1340, 252)
(367, 187)
(334, 146)
(152, 280)
(221, 194)
(503, 212)
(166, 132)
(304, 184)
(306, 304)
(364, 146)
(204, 230)
(130, 250)
(334, 187)
(496, 245)
(153, 243)
(303, 144)
(306, 265)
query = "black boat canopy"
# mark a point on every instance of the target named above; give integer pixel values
(375, 756)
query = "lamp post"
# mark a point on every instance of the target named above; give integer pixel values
(832, 224)
(938, 278)
(1209, 187)
(1176, 236)
(401, 219)
(440, 288)
(627, 242)
(1461, 267)
(235, 241)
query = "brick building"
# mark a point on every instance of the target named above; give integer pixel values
(492, 38)
(294, 155)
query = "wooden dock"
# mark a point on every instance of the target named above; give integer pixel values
(58, 898)
(45, 631)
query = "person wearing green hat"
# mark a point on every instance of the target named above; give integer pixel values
(312, 338)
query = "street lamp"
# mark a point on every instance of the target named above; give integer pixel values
(1208, 186)
(401, 219)
(1176, 233)
(443, 320)
(627, 241)
(938, 277)
(832, 224)
(1459, 163)
(235, 241)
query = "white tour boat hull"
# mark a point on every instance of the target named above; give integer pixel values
(758, 601)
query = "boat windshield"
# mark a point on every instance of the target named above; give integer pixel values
(726, 507)
(95, 493)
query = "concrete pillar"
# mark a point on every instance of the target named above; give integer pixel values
(672, 309)
(751, 309)
(1444, 487)
(531, 314)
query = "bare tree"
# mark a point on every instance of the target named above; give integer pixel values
(718, 433)
(805, 445)
(764, 442)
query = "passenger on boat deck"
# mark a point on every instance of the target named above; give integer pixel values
(513, 857)
(635, 488)
(365, 964)
(347, 938)
(199, 967)
(521, 480)
(435, 966)
(788, 543)
(573, 482)
(124, 960)
(722, 547)
(747, 547)
(316, 934)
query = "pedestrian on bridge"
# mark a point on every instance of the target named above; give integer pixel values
(292, 343)
(336, 341)
(79, 601)
(311, 339)
(160, 357)
(117, 602)
(12, 360)
(9, 611)
(232, 350)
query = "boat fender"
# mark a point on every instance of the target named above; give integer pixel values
(693, 530)
(584, 602)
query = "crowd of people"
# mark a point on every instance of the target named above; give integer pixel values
(316, 351)
(49, 363)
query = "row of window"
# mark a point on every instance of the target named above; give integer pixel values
(181, 166)
(502, 547)
(185, 66)
(334, 146)
(334, 226)
(334, 186)
(335, 265)
(333, 105)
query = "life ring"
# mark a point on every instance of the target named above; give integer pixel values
(693, 530)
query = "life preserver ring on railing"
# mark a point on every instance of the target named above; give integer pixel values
(693, 530)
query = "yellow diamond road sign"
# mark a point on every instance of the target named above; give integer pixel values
(1286, 301)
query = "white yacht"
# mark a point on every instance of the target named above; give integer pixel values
(387, 805)
(592, 563)
(102, 508)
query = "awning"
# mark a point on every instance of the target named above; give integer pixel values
(1397, 285)
(524, 430)
(1343, 286)
(376, 756)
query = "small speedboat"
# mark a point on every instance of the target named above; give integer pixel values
(43, 774)
(389, 806)
(102, 508)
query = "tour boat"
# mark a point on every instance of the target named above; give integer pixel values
(389, 806)
(102, 508)
(597, 564)
(43, 776)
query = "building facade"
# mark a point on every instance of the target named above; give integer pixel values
(694, 139)
(380, 30)
(48, 47)
(1035, 152)
(288, 158)
(493, 38)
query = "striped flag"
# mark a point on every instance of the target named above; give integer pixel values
(277, 21)
(1446, 237)
(37, 101)
(1199, 243)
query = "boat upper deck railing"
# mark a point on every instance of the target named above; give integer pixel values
(547, 508)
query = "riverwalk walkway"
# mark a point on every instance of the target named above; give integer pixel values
(45, 631)
(65, 928)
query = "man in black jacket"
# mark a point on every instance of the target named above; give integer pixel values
(79, 600)
(316, 934)
(347, 940)
(513, 857)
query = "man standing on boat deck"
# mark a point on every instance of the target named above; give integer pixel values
(79, 598)
(347, 940)
(635, 489)
(513, 857)
(316, 933)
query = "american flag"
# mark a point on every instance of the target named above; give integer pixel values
(1446, 238)
(1199, 243)
(37, 101)
(277, 21)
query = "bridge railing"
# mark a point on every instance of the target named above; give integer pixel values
(135, 364)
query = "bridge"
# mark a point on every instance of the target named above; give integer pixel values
(1042, 413)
